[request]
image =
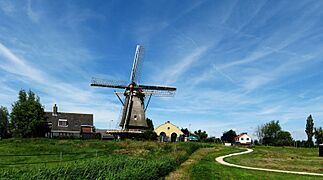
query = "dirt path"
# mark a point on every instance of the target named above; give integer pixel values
(221, 161)
(182, 171)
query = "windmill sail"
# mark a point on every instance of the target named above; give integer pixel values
(133, 111)
(134, 65)
(108, 83)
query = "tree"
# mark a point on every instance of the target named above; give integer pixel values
(4, 122)
(309, 130)
(318, 134)
(201, 135)
(284, 138)
(149, 135)
(213, 140)
(260, 134)
(186, 132)
(150, 124)
(269, 132)
(229, 136)
(28, 117)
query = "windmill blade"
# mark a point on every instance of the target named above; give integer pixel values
(135, 66)
(140, 64)
(157, 88)
(108, 83)
(161, 93)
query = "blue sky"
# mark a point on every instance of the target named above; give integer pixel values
(236, 64)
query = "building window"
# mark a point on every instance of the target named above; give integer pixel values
(247, 139)
(62, 123)
(241, 139)
(168, 128)
(135, 117)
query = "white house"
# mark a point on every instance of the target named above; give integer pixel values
(243, 139)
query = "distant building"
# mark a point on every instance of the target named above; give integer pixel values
(243, 139)
(104, 135)
(69, 124)
(168, 132)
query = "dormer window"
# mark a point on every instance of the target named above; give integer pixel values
(62, 123)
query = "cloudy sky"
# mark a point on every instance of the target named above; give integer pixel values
(236, 64)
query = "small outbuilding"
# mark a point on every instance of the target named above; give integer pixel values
(243, 139)
(168, 132)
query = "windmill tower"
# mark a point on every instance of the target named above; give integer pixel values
(133, 112)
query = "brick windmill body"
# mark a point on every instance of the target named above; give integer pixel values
(133, 118)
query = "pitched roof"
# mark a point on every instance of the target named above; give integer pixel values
(237, 137)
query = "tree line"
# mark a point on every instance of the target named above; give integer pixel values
(272, 134)
(27, 118)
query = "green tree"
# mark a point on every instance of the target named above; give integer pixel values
(4, 122)
(284, 138)
(202, 135)
(229, 136)
(150, 124)
(309, 130)
(186, 132)
(28, 117)
(318, 134)
(269, 132)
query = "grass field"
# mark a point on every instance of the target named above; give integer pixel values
(208, 168)
(284, 158)
(92, 159)
(77, 159)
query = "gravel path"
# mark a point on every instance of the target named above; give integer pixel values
(221, 161)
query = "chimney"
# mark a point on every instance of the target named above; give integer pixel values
(55, 110)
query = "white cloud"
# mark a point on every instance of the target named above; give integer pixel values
(171, 74)
(32, 14)
(75, 98)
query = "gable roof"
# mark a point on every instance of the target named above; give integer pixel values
(167, 128)
(237, 137)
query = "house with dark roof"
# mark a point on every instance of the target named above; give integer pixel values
(69, 124)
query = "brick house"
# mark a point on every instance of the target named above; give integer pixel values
(69, 124)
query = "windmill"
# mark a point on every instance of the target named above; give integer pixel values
(133, 112)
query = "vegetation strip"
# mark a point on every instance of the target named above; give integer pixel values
(118, 160)
(221, 161)
(181, 171)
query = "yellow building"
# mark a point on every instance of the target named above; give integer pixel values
(168, 132)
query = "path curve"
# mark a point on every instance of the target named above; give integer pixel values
(221, 161)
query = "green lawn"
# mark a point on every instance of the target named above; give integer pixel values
(284, 158)
(208, 168)
(93, 159)
(90, 159)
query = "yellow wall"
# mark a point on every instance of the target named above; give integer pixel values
(168, 128)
